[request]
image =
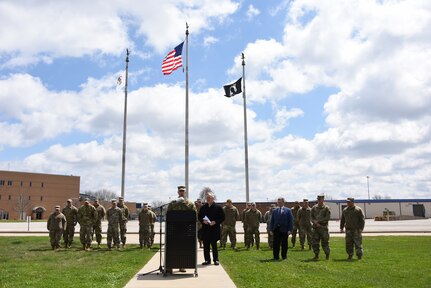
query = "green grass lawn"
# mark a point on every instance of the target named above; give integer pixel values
(30, 262)
(388, 261)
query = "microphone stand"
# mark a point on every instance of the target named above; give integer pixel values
(161, 267)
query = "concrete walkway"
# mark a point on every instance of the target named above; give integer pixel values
(210, 276)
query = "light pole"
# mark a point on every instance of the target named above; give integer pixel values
(368, 186)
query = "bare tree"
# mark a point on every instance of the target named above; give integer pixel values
(156, 204)
(203, 194)
(22, 205)
(103, 194)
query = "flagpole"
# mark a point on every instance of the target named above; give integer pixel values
(123, 170)
(187, 114)
(247, 195)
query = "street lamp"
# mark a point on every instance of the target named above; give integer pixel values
(368, 185)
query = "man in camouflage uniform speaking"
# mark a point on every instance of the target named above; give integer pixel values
(354, 220)
(320, 215)
(146, 219)
(56, 225)
(113, 216)
(181, 204)
(71, 214)
(87, 216)
(123, 220)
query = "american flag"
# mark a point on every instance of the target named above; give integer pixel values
(173, 60)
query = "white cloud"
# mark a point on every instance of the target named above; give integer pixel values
(32, 32)
(252, 12)
(208, 41)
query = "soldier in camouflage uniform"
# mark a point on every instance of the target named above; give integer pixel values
(354, 220)
(294, 211)
(56, 225)
(124, 220)
(198, 204)
(267, 219)
(231, 216)
(97, 227)
(71, 214)
(304, 222)
(146, 218)
(113, 215)
(252, 220)
(320, 215)
(87, 216)
(153, 233)
(181, 204)
(244, 225)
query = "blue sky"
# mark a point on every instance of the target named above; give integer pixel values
(335, 92)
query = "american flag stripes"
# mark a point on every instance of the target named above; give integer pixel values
(173, 60)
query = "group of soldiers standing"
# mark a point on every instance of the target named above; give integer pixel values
(311, 223)
(89, 216)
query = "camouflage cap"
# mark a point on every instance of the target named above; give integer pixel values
(181, 188)
(86, 199)
(120, 198)
(114, 201)
(296, 202)
(228, 201)
(350, 199)
(69, 200)
(304, 200)
(57, 207)
(321, 196)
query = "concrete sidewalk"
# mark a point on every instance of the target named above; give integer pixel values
(210, 276)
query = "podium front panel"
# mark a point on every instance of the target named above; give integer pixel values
(181, 240)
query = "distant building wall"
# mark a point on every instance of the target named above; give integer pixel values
(25, 194)
(375, 208)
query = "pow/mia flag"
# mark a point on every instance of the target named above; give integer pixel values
(233, 89)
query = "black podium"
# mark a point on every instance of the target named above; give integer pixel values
(181, 240)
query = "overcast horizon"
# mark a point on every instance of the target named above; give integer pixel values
(336, 91)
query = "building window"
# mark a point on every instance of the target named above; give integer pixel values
(29, 197)
(1, 182)
(9, 183)
(30, 183)
(10, 197)
(0, 197)
(41, 185)
(41, 198)
(22, 183)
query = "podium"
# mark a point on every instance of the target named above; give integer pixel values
(181, 240)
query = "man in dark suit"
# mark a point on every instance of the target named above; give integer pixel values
(281, 227)
(211, 216)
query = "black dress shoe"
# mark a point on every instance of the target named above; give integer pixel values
(206, 263)
(216, 263)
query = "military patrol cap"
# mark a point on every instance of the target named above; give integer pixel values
(253, 204)
(296, 202)
(120, 198)
(228, 201)
(57, 207)
(114, 201)
(69, 200)
(321, 196)
(181, 188)
(350, 199)
(86, 200)
(304, 200)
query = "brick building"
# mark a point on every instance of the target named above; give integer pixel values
(25, 194)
